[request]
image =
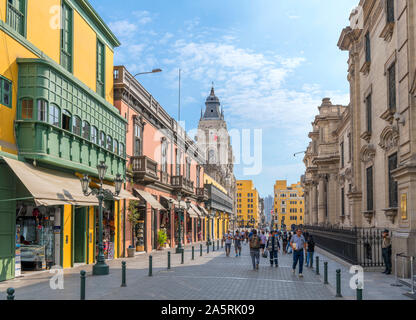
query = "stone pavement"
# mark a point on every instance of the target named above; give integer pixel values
(377, 286)
(210, 277)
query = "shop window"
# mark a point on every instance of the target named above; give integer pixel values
(42, 110)
(102, 139)
(27, 109)
(86, 130)
(94, 135)
(76, 128)
(115, 146)
(16, 17)
(66, 120)
(5, 92)
(109, 143)
(54, 115)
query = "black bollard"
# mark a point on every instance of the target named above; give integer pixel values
(207, 248)
(325, 272)
(150, 266)
(182, 256)
(213, 246)
(82, 284)
(338, 295)
(200, 250)
(218, 244)
(317, 265)
(123, 274)
(168, 259)
(359, 293)
(193, 253)
(10, 294)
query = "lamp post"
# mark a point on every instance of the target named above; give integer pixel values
(181, 218)
(101, 268)
(208, 205)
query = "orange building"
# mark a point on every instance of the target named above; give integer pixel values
(162, 162)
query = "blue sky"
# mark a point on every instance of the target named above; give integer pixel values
(272, 62)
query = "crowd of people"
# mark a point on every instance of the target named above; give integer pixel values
(269, 244)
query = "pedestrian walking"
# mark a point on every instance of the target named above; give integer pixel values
(310, 243)
(255, 250)
(237, 243)
(273, 246)
(228, 239)
(298, 244)
(289, 247)
(263, 240)
(284, 240)
(386, 251)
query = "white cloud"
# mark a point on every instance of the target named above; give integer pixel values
(123, 28)
(166, 38)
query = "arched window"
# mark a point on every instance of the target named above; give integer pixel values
(102, 139)
(86, 130)
(109, 143)
(115, 146)
(27, 108)
(76, 127)
(42, 110)
(121, 150)
(66, 120)
(54, 115)
(94, 135)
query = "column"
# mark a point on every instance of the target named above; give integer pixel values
(321, 200)
(172, 228)
(332, 199)
(314, 204)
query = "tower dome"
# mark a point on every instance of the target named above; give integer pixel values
(212, 106)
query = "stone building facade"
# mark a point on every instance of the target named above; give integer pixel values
(361, 162)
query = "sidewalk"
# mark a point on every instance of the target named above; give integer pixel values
(377, 286)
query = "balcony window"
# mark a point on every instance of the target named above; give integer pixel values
(54, 115)
(115, 146)
(94, 135)
(109, 143)
(178, 162)
(66, 120)
(164, 156)
(369, 113)
(369, 177)
(16, 15)
(138, 151)
(121, 150)
(27, 109)
(86, 130)
(392, 87)
(66, 37)
(5, 92)
(393, 194)
(367, 47)
(102, 139)
(42, 110)
(100, 69)
(390, 11)
(76, 127)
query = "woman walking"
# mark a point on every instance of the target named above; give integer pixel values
(273, 246)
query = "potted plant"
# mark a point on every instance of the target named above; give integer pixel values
(162, 238)
(134, 218)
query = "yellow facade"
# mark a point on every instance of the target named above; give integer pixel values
(247, 203)
(210, 180)
(289, 204)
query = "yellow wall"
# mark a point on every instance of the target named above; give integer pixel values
(3, 10)
(109, 67)
(244, 188)
(91, 239)
(116, 233)
(67, 237)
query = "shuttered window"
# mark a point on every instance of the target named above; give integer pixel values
(66, 37)
(367, 47)
(5, 92)
(393, 196)
(16, 18)
(392, 86)
(100, 69)
(370, 188)
(390, 11)
(369, 113)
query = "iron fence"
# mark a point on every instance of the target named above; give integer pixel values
(358, 246)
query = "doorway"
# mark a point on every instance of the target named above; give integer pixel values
(80, 231)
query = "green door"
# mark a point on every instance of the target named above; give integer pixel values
(7, 222)
(80, 230)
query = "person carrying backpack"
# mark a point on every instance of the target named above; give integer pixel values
(255, 250)
(310, 244)
(273, 246)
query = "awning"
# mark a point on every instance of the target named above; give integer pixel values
(192, 213)
(196, 210)
(176, 203)
(50, 187)
(150, 199)
(204, 211)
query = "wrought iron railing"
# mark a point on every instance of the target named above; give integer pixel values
(359, 246)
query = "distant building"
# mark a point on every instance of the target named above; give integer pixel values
(247, 204)
(289, 205)
(268, 208)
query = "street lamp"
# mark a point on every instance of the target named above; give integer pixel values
(101, 268)
(208, 206)
(181, 218)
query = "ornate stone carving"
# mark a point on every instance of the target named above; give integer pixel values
(389, 138)
(348, 174)
(368, 215)
(367, 153)
(341, 179)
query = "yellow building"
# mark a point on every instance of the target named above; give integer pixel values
(289, 204)
(247, 204)
(57, 122)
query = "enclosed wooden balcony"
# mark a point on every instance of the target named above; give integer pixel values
(144, 169)
(183, 185)
(202, 194)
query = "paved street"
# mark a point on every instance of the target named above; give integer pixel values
(210, 277)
